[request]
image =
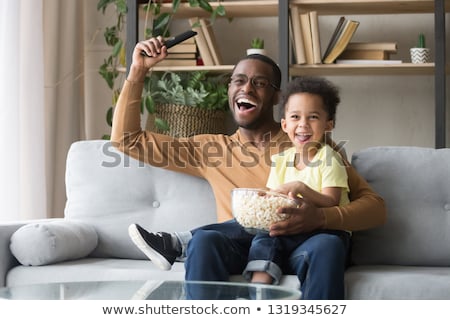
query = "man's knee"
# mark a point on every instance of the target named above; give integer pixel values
(203, 240)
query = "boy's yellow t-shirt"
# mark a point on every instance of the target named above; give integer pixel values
(325, 170)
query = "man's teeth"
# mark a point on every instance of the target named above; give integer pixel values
(245, 103)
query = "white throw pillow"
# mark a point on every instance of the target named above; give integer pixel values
(37, 244)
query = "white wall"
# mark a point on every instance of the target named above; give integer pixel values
(375, 110)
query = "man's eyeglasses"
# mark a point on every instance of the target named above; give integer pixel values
(257, 82)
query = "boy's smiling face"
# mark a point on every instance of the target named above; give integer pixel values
(306, 120)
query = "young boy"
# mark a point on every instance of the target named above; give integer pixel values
(310, 169)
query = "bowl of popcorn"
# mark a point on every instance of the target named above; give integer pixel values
(256, 209)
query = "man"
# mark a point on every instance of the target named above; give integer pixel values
(244, 161)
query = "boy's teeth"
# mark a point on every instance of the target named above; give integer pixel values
(303, 137)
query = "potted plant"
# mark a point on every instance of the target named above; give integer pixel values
(420, 53)
(156, 23)
(256, 46)
(186, 103)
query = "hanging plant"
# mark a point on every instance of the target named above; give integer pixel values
(159, 25)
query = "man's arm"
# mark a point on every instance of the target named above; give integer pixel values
(366, 208)
(126, 125)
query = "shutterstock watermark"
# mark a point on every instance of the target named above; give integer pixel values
(190, 153)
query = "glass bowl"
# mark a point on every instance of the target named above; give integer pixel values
(256, 209)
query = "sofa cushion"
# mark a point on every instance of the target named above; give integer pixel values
(38, 244)
(110, 191)
(415, 184)
(386, 282)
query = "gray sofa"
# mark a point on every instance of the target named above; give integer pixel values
(407, 258)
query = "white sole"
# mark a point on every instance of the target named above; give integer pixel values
(146, 290)
(156, 258)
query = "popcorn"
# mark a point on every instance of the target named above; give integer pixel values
(257, 208)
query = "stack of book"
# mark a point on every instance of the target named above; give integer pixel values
(304, 30)
(340, 39)
(369, 53)
(183, 54)
(206, 42)
(306, 37)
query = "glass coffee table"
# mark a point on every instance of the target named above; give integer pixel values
(148, 290)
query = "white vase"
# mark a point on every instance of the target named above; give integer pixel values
(420, 55)
(256, 51)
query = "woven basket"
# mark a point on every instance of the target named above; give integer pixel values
(185, 121)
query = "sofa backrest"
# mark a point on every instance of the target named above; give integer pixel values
(111, 190)
(415, 184)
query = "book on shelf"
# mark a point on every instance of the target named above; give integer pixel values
(182, 55)
(343, 34)
(368, 61)
(315, 37)
(298, 44)
(365, 54)
(333, 37)
(305, 25)
(177, 62)
(187, 46)
(385, 46)
(200, 40)
(211, 41)
(183, 48)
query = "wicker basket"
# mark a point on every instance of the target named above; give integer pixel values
(185, 121)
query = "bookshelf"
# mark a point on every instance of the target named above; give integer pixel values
(234, 9)
(281, 8)
(367, 7)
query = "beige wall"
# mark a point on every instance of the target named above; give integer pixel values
(375, 110)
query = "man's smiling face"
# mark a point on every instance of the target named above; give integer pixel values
(250, 93)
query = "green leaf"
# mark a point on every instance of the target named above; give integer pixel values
(107, 75)
(175, 5)
(193, 3)
(149, 104)
(106, 137)
(121, 6)
(220, 10)
(162, 124)
(196, 24)
(204, 4)
(161, 22)
(109, 116)
(103, 4)
(116, 48)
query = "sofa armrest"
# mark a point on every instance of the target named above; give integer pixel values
(7, 260)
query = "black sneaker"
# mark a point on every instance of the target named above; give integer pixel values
(158, 247)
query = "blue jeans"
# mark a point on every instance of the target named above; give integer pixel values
(319, 262)
(270, 254)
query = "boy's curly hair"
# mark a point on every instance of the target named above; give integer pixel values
(313, 85)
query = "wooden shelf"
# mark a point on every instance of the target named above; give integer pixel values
(238, 9)
(350, 70)
(214, 69)
(349, 7)
(280, 9)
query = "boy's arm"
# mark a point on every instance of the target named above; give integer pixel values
(329, 197)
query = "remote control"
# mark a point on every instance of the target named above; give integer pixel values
(176, 40)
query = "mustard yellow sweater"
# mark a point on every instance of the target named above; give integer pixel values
(228, 162)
